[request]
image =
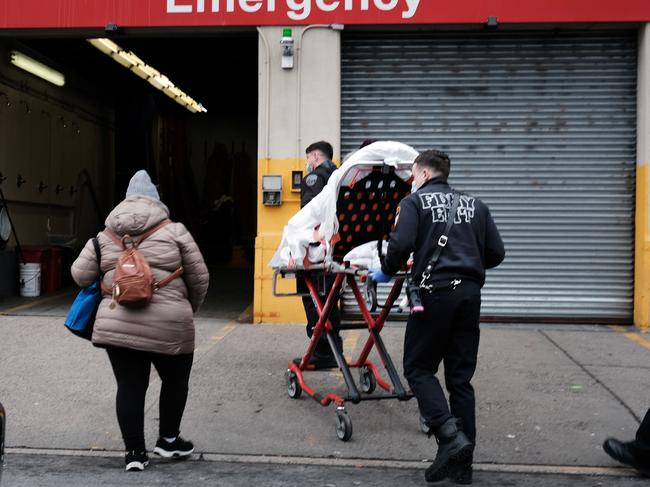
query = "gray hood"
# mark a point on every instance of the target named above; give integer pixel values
(135, 215)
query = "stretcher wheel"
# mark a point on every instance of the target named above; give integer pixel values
(367, 380)
(424, 426)
(343, 425)
(371, 295)
(293, 386)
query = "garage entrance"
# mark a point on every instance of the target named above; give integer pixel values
(107, 123)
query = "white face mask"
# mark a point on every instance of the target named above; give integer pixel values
(414, 187)
(310, 167)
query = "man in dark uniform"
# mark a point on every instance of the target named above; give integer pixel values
(448, 328)
(635, 453)
(319, 169)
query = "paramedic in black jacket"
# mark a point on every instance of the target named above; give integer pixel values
(448, 328)
(319, 169)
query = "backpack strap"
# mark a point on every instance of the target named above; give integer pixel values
(163, 282)
(150, 232)
(120, 241)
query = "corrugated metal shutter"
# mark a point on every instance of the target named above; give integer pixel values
(542, 127)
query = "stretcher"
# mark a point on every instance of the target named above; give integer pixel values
(366, 209)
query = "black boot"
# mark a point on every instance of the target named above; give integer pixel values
(323, 357)
(462, 473)
(454, 450)
(628, 454)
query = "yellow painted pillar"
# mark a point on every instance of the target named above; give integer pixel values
(642, 220)
(271, 222)
(297, 106)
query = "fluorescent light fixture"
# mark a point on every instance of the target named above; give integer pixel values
(37, 68)
(144, 71)
(159, 81)
(107, 46)
(126, 59)
(173, 92)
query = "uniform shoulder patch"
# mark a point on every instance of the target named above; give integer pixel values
(311, 179)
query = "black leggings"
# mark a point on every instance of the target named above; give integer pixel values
(132, 369)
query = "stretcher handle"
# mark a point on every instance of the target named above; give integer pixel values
(283, 272)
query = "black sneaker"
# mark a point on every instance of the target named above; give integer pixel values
(136, 461)
(179, 448)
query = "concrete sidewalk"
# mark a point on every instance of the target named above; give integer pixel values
(547, 395)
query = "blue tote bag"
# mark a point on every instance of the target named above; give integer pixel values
(81, 317)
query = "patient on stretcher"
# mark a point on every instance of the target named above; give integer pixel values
(353, 212)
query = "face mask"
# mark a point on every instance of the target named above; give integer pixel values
(414, 187)
(310, 167)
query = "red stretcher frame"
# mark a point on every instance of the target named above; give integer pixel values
(370, 376)
(366, 208)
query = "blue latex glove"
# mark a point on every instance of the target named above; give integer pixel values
(378, 276)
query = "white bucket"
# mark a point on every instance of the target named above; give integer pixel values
(30, 280)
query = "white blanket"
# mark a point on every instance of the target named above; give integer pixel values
(317, 221)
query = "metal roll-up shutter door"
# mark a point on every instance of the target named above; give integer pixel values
(542, 127)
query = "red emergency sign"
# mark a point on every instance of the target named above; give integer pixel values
(19, 14)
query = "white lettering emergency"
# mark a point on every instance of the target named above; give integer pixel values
(327, 7)
(250, 6)
(172, 8)
(440, 205)
(300, 9)
(386, 5)
(412, 7)
(295, 9)
(349, 4)
(230, 5)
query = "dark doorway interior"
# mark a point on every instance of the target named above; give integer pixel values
(204, 164)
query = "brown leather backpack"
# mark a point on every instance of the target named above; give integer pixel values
(133, 282)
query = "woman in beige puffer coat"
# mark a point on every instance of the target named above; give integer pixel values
(162, 332)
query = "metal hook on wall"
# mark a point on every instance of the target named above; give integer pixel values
(27, 109)
(63, 121)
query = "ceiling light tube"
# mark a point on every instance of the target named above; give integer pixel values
(144, 71)
(132, 62)
(107, 46)
(159, 81)
(126, 59)
(173, 92)
(37, 68)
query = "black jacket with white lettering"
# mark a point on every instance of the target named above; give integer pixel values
(474, 241)
(314, 182)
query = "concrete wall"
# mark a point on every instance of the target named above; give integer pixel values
(296, 107)
(642, 238)
(47, 136)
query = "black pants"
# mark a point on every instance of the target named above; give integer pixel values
(132, 369)
(324, 284)
(643, 433)
(447, 331)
